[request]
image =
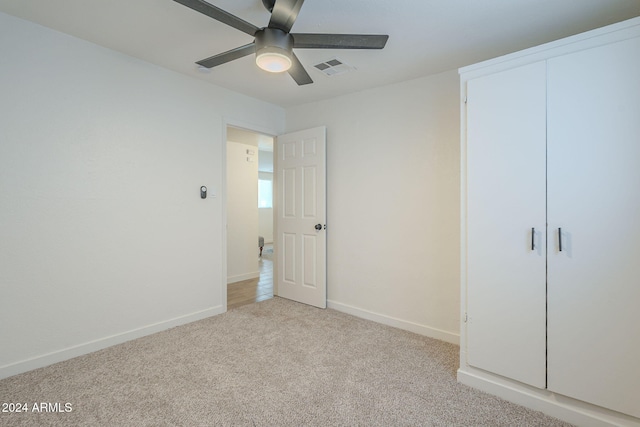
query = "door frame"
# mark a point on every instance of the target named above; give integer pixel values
(250, 127)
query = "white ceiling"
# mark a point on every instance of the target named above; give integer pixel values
(425, 36)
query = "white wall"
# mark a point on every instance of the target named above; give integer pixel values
(393, 202)
(265, 163)
(103, 235)
(242, 212)
(265, 215)
(265, 224)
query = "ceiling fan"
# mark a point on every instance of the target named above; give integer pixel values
(273, 44)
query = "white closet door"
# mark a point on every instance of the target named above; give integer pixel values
(505, 183)
(594, 197)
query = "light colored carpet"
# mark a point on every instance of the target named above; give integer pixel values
(274, 363)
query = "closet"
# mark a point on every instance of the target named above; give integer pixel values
(551, 222)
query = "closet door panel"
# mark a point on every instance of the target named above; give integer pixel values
(594, 197)
(505, 201)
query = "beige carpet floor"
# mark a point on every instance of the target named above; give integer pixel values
(274, 363)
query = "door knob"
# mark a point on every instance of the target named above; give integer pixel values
(318, 227)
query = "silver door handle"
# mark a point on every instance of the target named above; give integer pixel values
(533, 236)
(559, 239)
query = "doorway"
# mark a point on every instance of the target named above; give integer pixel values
(249, 217)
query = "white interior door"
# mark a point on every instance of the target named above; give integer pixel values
(594, 197)
(300, 243)
(506, 223)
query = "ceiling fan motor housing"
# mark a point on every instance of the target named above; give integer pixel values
(273, 38)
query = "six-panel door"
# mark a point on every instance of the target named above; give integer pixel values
(301, 217)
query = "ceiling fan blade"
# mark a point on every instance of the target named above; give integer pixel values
(339, 41)
(284, 14)
(220, 15)
(298, 72)
(227, 56)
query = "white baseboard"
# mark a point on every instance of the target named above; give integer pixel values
(101, 343)
(564, 408)
(241, 277)
(427, 331)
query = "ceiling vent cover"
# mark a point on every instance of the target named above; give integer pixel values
(333, 67)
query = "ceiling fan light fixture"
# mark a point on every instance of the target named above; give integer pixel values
(273, 59)
(273, 50)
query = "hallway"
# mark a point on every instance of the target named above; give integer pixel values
(253, 290)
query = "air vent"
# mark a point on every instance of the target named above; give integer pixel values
(333, 67)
